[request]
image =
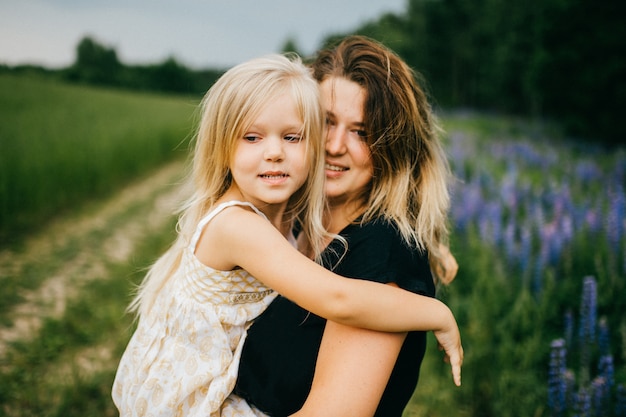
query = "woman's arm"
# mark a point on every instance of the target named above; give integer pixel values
(352, 371)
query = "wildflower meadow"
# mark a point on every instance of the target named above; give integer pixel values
(539, 230)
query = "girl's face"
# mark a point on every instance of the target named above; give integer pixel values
(349, 166)
(270, 161)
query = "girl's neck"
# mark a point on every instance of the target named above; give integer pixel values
(275, 213)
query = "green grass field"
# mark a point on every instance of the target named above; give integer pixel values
(62, 144)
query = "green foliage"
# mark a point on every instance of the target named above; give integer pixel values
(97, 64)
(559, 60)
(63, 144)
(291, 46)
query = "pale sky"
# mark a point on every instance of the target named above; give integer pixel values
(197, 33)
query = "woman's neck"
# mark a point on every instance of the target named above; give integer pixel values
(340, 215)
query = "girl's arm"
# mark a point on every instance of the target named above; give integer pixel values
(242, 238)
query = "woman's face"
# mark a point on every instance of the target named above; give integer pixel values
(349, 166)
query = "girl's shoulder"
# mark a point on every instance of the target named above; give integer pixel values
(219, 208)
(231, 203)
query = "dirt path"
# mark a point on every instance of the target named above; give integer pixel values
(117, 235)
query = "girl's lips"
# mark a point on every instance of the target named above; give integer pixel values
(274, 177)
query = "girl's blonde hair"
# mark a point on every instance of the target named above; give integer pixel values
(228, 109)
(411, 173)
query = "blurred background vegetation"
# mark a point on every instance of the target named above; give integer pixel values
(558, 60)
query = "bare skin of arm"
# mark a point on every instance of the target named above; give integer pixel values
(241, 238)
(351, 372)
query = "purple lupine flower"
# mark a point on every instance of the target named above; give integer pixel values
(606, 370)
(620, 401)
(587, 328)
(508, 188)
(604, 341)
(540, 264)
(599, 396)
(490, 223)
(592, 220)
(525, 248)
(557, 386)
(587, 171)
(583, 403)
(588, 310)
(569, 327)
(552, 244)
(570, 388)
(567, 227)
(509, 242)
(615, 218)
(469, 204)
(619, 172)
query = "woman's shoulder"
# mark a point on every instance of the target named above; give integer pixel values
(379, 230)
(378, 252)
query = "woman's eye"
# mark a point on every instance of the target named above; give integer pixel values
(361, 133)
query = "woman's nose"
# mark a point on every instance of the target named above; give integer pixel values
(335, 140)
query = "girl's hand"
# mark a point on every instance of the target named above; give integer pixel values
(450, 342)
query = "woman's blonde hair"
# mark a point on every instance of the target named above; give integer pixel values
(228, 109)
(411, 173)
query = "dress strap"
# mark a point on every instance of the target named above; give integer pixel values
(206, 219)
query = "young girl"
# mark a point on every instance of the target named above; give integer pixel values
(258, 168)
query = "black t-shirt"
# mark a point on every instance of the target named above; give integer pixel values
(280, 352)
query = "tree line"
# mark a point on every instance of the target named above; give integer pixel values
(98, 64)
(557, 60)
(561, 60)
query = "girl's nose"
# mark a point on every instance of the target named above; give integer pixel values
(274, 149)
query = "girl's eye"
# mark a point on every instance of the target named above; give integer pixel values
(251, 138)
(361, 133)
(293, 138)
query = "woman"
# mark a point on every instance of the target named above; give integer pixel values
(386, 182)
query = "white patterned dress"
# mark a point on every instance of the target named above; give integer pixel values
(183, 358)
